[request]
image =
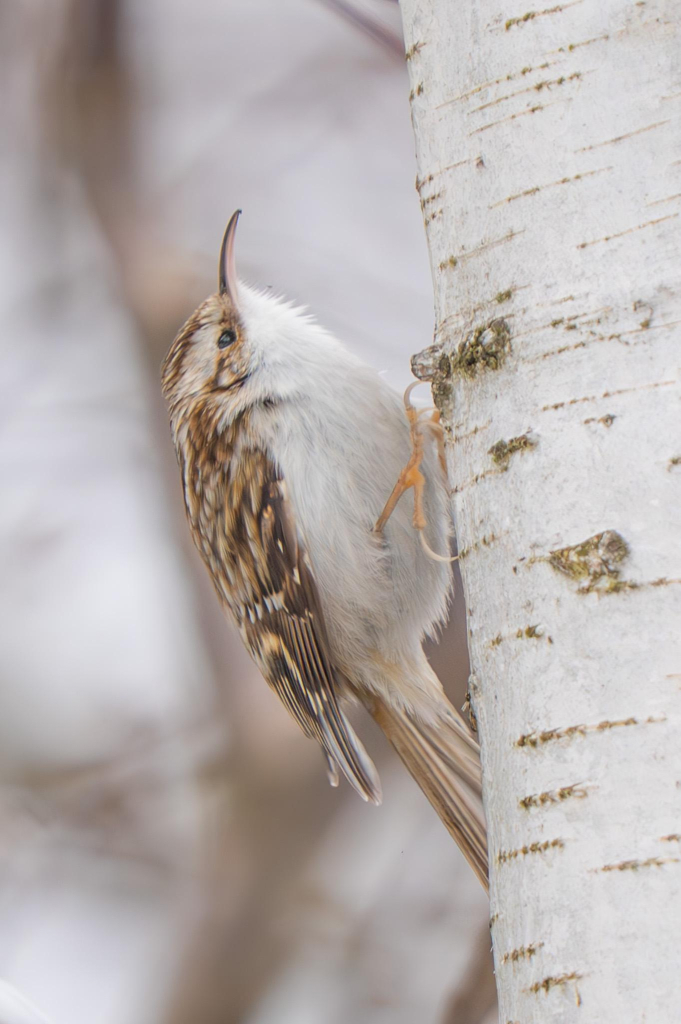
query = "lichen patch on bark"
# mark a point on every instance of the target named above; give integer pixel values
(502, 451)
(593, 562)
(484, 348)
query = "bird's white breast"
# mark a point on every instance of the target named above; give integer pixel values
(340, 435)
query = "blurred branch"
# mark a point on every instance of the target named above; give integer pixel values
(156, 281)
(358, 14)
(16, 1009)
(234, 953)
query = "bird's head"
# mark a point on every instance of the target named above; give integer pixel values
(242, 347)
(208, 356)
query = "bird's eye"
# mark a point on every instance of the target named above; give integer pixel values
(227, 338)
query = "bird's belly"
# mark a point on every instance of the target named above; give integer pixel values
(378, 592)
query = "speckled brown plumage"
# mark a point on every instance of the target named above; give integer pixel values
(242, 525)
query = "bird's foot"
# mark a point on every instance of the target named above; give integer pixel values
(411, 475)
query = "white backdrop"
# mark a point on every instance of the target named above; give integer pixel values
(121, 688)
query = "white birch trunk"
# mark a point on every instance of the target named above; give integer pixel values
(549, 160)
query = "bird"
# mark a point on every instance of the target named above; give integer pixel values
(295, 457)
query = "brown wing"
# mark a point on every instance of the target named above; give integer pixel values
(261, 569)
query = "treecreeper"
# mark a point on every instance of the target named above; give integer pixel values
(294, 456)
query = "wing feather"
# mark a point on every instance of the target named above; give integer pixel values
(279, 612)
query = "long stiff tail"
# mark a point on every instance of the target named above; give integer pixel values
(444, 760)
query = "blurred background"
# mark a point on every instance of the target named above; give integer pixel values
(170, 850)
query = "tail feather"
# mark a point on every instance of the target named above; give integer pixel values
(344, 750)
(444, 761)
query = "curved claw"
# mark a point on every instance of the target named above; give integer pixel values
(411, 475)
(433, 554)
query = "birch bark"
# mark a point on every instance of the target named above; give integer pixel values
(549, 160)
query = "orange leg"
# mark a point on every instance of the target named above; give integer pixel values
(411, 475)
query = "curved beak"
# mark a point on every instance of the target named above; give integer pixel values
(227, 268)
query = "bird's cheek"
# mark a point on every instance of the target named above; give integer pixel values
(229, 372)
